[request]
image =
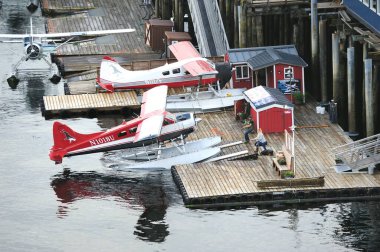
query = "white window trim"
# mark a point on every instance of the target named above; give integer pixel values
(242, 78)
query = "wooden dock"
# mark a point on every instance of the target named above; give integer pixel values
(239, 182)
(90, 104)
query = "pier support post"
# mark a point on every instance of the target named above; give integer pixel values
(236, 23)
(368, 97)
(254, 31)
(323, 59)
(243, 24)
(222, 9)
(176, 15)
(180, 16)
(166, 10)
(259, 30)
(314, 46)
(351, 89)
(229, 23)
(363, 112)
(335, 64)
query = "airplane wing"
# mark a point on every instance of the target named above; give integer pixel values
(153, 109)
(199, 68)
(68, 34)
(185, 51)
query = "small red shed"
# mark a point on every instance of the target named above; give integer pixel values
(280, 67)
(270, 109)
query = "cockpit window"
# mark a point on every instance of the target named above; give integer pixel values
(183, 117)
(176, 71)
(165, 73)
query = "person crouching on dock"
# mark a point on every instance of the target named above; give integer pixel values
(260, 140)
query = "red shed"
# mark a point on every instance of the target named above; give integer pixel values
(272, 66)
(270, 109)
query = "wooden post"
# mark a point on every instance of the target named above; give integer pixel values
(222, 9)
(229, 17)
(286, 29)
(363, 112)
(236, 23)
(166, 10)
(376, 95)
(157, 8)
(335, 63)
(301, 34)
(176, 15)
(368, 96)
(254, 31)
(314, 46)
(295, 37)
(249, 30)
(259, 30)
(243, 24)
(351, 89)
(323, 59)
(180, 16)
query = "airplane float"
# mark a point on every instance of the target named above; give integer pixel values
(190, 70)
(154, 125)
(39, 46)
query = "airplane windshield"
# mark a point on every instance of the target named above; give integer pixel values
(171, 117)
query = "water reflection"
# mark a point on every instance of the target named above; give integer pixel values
(147, 191)
(359, 225)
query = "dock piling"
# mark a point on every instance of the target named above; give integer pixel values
(351, 89)
(368, 97)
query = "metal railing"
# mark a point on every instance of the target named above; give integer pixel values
(359, 154)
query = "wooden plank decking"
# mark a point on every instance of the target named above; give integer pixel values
(222, 181)
(56, 105)
(113, 14)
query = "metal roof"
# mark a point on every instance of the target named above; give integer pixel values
(242, 55)
(262, 96)
(271, 56)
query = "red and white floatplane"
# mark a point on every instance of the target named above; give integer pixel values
(154, 125)
(191, 70)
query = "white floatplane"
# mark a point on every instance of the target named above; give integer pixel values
(190, 70)
(39, 46)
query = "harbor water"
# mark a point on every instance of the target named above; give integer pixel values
(96, 208)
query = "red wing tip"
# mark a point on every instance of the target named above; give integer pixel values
(109, 58)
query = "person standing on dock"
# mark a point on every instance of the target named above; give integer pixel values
(260, 140)
(248, 129)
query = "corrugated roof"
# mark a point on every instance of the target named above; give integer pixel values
(242, 55)
(262, 96)
(271, 56)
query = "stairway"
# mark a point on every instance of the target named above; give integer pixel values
(364, 153)
(208, 27)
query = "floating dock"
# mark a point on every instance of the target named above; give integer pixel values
(247, 182)
(91, 104)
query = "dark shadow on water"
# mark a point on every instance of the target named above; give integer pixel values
(35, 91)
(148, 191)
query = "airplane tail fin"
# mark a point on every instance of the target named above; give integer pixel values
(65, 140)
(111, 72)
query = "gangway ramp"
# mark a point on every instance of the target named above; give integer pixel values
(208, 27)
(364, 153)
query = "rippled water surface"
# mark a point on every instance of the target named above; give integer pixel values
(96, 209)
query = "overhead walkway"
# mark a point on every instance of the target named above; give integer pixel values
(208, 27)
(364, 153)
